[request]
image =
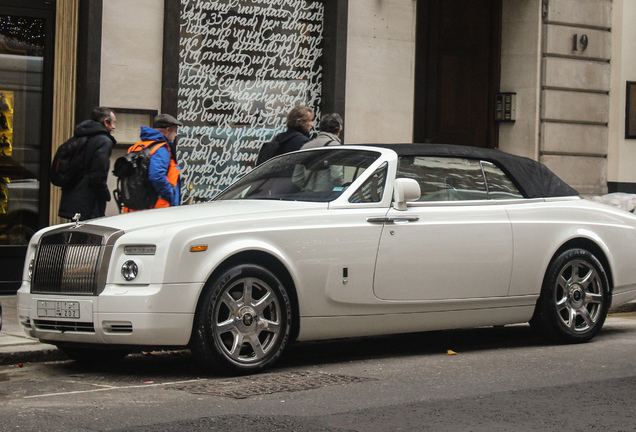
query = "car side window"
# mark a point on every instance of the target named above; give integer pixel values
(445, 179)
(499, 185)
(372, 189)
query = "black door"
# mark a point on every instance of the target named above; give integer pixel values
(457, 71)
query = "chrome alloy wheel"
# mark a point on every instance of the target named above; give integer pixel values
(579, 296)
(247, 320)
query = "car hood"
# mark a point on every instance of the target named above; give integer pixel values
(212, 212)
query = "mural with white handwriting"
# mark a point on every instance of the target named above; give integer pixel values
(243, 65)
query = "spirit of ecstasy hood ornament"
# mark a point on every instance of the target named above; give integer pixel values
(76, 219)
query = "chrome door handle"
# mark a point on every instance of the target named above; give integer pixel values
(401, 219)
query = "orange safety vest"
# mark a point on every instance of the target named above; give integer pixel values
(173, 171)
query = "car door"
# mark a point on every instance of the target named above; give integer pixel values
(454, 243)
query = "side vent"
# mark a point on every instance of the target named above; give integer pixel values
(117, 327)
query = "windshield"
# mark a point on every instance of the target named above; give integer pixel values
(317, 176)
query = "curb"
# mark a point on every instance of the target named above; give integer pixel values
(625, 308)
(37, 353)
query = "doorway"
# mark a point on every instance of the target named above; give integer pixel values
(26, 81)
(457, 71)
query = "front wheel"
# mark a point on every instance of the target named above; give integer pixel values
(574, 298)
(243, 321)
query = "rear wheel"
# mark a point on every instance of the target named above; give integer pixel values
(243, 321)
(574, 298)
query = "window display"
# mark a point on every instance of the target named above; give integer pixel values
(6, 135)
(6, 120)
(21, 55)
(25, 129)
(243, 66)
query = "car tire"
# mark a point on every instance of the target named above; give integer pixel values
(574, 298)
(243, 321)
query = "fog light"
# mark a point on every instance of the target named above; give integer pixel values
(129, 270)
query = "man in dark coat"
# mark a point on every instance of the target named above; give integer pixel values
(89, 195)
(300, 121)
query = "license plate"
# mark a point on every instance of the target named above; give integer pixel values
(58, 309)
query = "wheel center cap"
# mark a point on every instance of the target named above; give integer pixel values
(577, 294)
(248, 319)
(247, 316)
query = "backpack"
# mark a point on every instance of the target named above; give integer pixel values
(68, 163)
(272, 148)
(134, 189)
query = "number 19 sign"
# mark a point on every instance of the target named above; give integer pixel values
(579, 43)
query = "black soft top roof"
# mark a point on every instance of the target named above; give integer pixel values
(533, 179)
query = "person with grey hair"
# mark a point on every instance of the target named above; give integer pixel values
(300, 121)
(89, 195)
(104, 115)
(330, 127)
(331, 177)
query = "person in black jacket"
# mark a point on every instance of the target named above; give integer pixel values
(89, 195)
(300, 121)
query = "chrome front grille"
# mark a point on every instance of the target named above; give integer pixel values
(66, 269)
(72, 261)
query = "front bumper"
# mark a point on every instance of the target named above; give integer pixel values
(150, 315)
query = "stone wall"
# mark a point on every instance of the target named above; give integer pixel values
(575, 84)
(380, 71)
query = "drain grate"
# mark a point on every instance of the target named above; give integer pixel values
(245, 387)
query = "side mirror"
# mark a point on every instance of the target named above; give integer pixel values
(405, 190)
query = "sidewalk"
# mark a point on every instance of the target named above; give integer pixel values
(16, 347)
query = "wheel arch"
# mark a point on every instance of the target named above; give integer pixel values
(595, 249)
(547, 320)
(270, 262)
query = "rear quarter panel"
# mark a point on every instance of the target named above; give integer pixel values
(541, 228)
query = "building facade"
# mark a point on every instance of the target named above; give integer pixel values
(546, 79)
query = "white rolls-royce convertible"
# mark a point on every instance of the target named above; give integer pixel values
(335, 242)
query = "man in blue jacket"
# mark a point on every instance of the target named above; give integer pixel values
(163, 170)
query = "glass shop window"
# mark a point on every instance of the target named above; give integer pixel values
(22, 42)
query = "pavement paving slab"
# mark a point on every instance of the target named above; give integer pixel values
(15, 346)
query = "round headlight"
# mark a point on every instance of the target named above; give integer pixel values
(31, 266)
(129, 270)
